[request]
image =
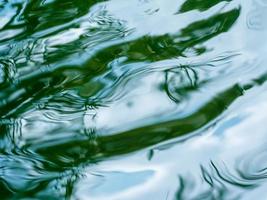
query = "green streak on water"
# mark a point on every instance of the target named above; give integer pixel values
(135, 99)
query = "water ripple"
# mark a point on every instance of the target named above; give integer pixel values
(113, 98)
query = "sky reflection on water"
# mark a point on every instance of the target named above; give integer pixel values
(134, 99)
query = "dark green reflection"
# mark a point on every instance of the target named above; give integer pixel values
(201, 5)
(137, 139)
(44, 67)
(144, 49)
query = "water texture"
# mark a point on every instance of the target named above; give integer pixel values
(130, 100)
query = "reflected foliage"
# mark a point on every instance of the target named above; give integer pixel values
(63, 62)
(200, 5)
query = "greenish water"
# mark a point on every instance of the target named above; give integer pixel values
(133, 99)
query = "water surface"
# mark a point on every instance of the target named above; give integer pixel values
(136, 99)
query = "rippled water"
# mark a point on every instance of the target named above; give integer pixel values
(136, 99)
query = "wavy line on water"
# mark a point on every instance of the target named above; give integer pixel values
(121, 143)
(218, 181)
